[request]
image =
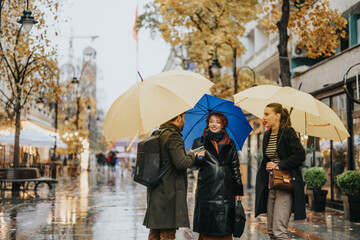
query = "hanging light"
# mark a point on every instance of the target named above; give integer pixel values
(66, 120)
(215, 67)
(40, 103)
(75, 81)
(27, 21)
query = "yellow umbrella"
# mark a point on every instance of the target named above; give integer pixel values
(309, 116)
(153, 101)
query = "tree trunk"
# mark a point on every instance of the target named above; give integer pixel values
(282, 25)
(15, 185)
(17, 137)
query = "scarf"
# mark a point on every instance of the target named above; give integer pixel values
(218, 139)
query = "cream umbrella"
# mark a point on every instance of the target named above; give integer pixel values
(153, 101)
(309, 116)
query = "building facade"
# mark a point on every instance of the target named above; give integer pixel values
(324, 79)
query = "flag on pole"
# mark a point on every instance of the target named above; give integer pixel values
(135, 33)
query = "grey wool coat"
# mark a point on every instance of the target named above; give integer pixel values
(167, 203)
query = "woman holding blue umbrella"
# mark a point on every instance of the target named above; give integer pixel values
(219, 181)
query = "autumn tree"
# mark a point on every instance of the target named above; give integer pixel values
(25, 58)
(74, 108)
(315, 26)
(201, 29)
(224, 86)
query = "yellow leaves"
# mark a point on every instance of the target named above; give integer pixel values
(25, 53)
(203, 23)
(316, 26)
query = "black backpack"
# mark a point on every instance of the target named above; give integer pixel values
(147, 167)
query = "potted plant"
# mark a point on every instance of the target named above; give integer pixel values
(349, 184)
(315, 178)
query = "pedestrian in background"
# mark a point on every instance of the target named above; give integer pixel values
(112, 161)
(290, 155)
(100, 160)
(124, 164)
(167, 203)
(219, 181)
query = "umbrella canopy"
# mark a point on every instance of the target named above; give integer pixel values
(153, 101)
(309, 116)
(32, 138)
(195, 120)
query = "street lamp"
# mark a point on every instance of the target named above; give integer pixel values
(66, 122)
(215, 67)
(252, 71)
(76, 83)
(27, 21)
(40, 103)
(89, 112)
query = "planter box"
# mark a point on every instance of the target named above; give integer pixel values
(351, 208)
(317, 200)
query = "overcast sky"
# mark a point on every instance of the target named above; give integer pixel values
(112, 21)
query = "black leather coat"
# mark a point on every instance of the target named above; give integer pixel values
(219, 181)
(292, 157)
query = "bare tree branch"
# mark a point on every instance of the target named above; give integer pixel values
(6, 97)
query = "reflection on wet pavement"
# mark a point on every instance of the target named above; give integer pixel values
(104, 205)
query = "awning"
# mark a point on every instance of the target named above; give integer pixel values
(29, 137)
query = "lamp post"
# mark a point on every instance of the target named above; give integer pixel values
(89, 112)
(66, 121)
(215, 67)
(76, 84)
(40, 103)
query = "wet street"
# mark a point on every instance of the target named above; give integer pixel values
(105, 205)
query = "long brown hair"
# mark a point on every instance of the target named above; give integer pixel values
(284, 114)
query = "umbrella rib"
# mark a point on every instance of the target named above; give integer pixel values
(202, 108)
(218, 106)
(194, 127)
(337, 133)
(305, 124)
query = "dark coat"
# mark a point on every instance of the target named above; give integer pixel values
(292, 157)
(167, 203)
(219, 181)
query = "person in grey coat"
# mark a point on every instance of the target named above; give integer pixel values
(167, 203)
(290, 155)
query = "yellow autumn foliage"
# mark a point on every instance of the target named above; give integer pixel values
(206, 25)
(312, 24)
(28, 60)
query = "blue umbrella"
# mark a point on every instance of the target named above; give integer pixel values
(195, 120)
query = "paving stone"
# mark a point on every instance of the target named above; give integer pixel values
(104, 205)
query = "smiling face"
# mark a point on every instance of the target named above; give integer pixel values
(270, 118)
(215, 124)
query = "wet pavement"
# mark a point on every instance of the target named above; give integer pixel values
(106, 205)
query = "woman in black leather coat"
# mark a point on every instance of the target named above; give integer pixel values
(219, 181)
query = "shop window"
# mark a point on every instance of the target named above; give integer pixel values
(339, 161)
(357, 143)
(334, 154)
